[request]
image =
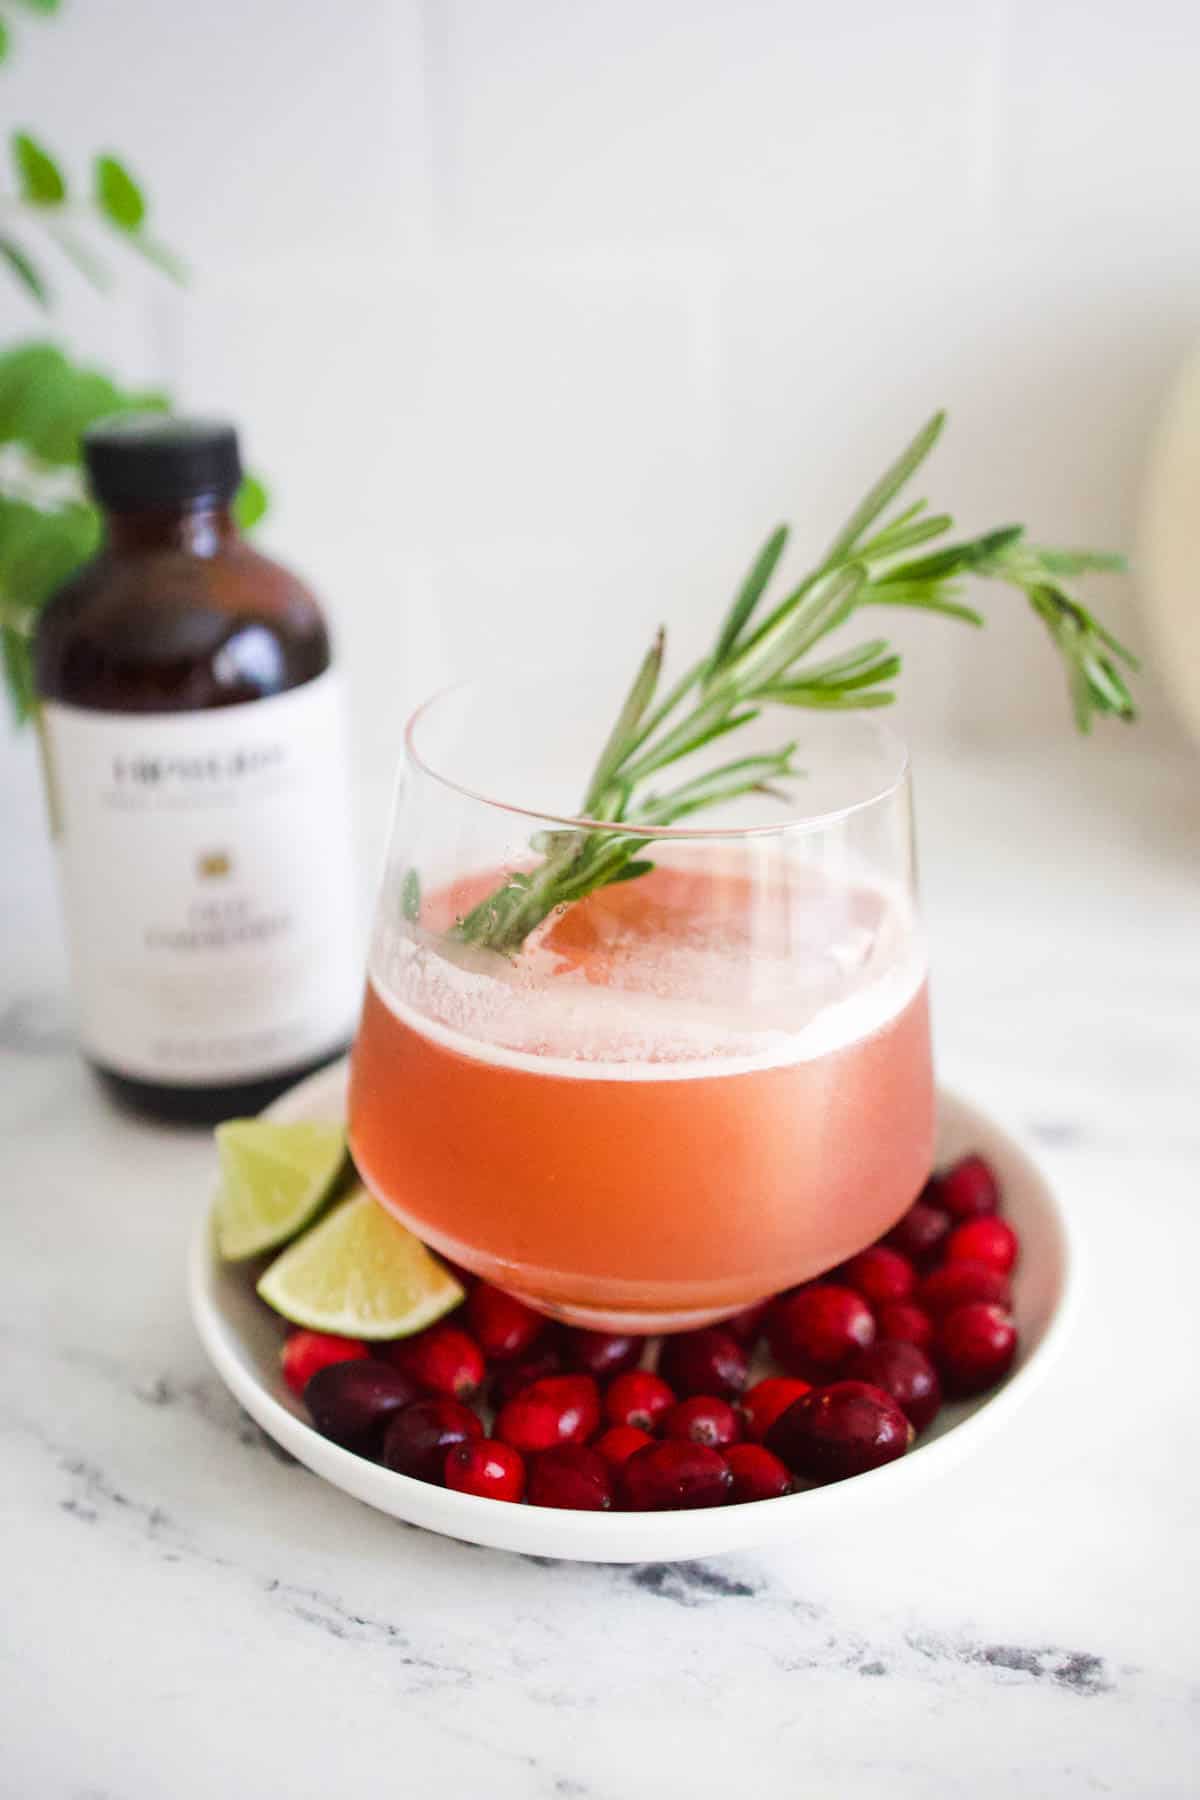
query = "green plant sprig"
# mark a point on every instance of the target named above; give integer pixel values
(47, 401)
(753, 665)
(45, 203)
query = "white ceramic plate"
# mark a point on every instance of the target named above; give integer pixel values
(242, 1338)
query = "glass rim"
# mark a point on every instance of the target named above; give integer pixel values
(885, 790)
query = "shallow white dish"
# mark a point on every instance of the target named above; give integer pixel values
(242, 1339)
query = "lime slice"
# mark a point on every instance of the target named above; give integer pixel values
(360, 1274)
(274, 1179)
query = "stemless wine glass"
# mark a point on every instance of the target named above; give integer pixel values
(681, 1093)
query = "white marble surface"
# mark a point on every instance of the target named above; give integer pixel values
(187, 1615)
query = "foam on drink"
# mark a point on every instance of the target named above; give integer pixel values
(693, 971)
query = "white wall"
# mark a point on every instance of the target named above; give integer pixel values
(538, 313)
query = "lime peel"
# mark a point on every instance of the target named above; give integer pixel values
(275, 1178)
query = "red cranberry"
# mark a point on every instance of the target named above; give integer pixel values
(510, 1378)
(351, 1402)
(418, 1438)
(638, 1398)
(757, 1474)
(484, 1467)
(960, 1282)
(559, 1409)
(443, 1359)
(603, 1353)
(969, 1190)
(573, 1477)
(704, 1362)
(747, 1326)
(920, 1234)
(975, 1347)
(674, 1477)
(905, 1323)
(879, 1275)
(504, 1328)
(703, 1420)
(619, 1442)
(763, 1403)
(841, 1430)
(990, 1241)
(813, 1332)
(307, 1351)
(905, 1373)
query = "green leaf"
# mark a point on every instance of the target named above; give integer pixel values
(1081, 562)
(47, 402)
(250, 502)
(903, 534)
(122, 204)
(972, 554)
(621, 737)
(117, 194)
(827, 602)
(886, 488)
(836, 668)
(831, 700)
(687, 681)
(39, 549)
(45, 7)
(749, 595)
(921, 598)
(4, 41)
(748, 773)
(1114, 644)
(39, 178)
(835, 681)
(1108, 686)
(24, 271)
(639, 866)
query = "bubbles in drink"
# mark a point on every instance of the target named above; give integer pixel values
(703, 962)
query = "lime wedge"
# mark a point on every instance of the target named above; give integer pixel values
(274, 1180)
(359, 1274)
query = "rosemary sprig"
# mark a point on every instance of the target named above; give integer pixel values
(769, 662)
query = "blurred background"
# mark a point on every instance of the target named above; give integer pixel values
(537, 317)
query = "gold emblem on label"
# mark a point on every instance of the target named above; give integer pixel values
(211, 865)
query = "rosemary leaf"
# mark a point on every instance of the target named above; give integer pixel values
(702, 727)
(628, 720)
(886, 488)
(749, 595)
(832, 699)
(1082, 562)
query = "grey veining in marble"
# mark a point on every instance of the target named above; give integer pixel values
(188, 1613)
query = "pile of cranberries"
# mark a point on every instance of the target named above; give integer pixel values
(862, 1360)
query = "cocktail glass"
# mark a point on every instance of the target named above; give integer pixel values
(682, 1092)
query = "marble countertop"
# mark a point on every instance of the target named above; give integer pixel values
(187, 1614)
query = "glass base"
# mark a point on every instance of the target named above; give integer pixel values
(636, 1322)
(645, 1308)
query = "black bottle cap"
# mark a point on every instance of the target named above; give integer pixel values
(137, 460)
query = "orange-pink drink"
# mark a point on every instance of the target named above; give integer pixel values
(677, 1099)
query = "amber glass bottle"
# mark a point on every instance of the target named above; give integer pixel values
(196, 777)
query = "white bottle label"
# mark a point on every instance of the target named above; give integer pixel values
(207, 883)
